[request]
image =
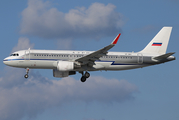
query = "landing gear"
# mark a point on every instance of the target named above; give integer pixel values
(83, 79)
(87, 75)
(26, 75)
(84, 76)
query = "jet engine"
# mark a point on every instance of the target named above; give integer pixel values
(67, 66)
(60, 74)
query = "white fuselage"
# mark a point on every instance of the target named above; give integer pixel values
(48, 59)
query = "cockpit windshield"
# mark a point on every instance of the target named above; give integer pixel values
(14, 54)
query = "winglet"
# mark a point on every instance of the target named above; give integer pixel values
(115, 40)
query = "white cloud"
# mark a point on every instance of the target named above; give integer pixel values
(20, 97)
(96, 21)
(23, 43)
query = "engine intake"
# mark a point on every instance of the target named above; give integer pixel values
(67, 66)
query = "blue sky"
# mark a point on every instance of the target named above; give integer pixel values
(142, 94)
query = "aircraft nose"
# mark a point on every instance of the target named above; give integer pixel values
(5, 61)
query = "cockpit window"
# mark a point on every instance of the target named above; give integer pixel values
(15, 54)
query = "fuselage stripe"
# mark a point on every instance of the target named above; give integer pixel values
(112, 62)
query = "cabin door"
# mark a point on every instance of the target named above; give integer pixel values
(27, 54)
(140, 58)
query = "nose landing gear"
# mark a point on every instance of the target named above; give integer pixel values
(26, 75)
(84, 76)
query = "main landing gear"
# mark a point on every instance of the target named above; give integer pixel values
(26, 75)
(84, 76)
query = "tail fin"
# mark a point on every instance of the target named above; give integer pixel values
(160, 42)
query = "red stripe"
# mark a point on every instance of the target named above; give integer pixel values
(156, 44)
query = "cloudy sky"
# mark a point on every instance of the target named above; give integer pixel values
(141, 94)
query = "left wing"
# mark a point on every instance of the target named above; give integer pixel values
(97, 54)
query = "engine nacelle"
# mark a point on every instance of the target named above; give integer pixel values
(61, 74)
(65, 66)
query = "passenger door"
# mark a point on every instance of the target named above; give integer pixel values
(27, 54)
(140, 58)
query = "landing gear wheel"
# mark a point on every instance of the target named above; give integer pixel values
(84, 76)
(26, 76)
(83, 79)
(87, 75)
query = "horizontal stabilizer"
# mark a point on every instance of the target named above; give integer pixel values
(164, 56)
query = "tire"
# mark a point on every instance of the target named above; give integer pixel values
(87, 75)
(26, 76)
(83, 79)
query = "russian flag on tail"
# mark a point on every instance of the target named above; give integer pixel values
(157, 44)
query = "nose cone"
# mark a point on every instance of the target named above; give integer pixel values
(5, 61)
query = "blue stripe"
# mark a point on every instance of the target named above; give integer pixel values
(124, 64)
(113, 62)
(157, 43)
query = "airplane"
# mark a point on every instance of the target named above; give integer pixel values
(65, 63)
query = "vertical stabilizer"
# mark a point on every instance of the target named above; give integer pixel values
(160, 42)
